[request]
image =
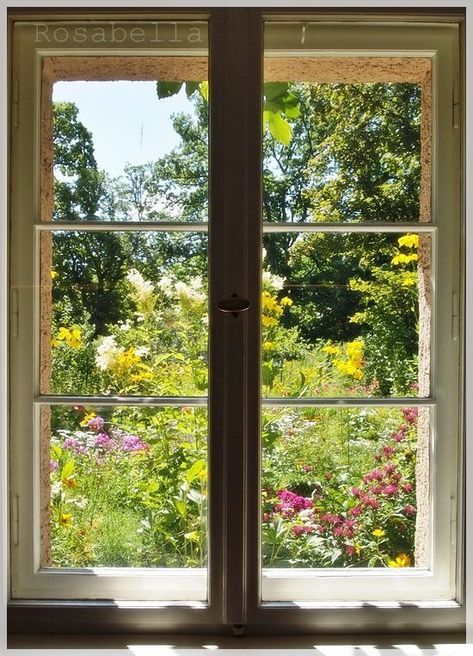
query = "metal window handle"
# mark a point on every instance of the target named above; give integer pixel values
(233, 305)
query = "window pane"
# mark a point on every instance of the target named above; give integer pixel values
(127, 487)
(347, 138)
(131, 150)
(346, 314)
(339, 486)
(124, 313)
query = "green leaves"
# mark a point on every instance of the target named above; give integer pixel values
(168, 89)
(279, 103)
(278, 127)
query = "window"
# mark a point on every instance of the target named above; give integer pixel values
(235, 366)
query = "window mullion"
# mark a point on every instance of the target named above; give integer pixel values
(235, 254)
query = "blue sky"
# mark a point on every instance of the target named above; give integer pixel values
(127, 120)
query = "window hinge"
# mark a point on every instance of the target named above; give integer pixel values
(455, 106)
(453, 521)
(16, 104)
(15, 519)
(455, 317)
(15, 313)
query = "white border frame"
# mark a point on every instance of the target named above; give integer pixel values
(154, 4)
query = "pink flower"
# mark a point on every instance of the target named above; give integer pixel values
(388, 451)
(375, 475)
(407, 487)
(330, 518)
(350, 550)
(377, 489)
(292, 503)
(370, 502)
(356, 511)
(133, 443)
(53, 465)
(390, 490)
(410, 415)
(299, 530)
(346, 529)
(104, 441)
(410, 510)
(96, 424)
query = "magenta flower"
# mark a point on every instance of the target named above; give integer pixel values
(292, 503)
(388, 451)
(53, 465)
(407, 487)
(390, 490)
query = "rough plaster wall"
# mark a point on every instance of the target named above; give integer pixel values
(307, 69)
(46, 204)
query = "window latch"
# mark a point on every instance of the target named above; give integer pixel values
(234, 305)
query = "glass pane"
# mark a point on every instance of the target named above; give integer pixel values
(346, 314)
(124, 313)
(129, 148)
(347, 139)
(339, 486)
(127, 488)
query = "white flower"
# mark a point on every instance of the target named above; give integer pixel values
(272, 282)
(142, 351)
(125, 326)
(166, 285)
(107, 352)
(191, 291)
(143, 288)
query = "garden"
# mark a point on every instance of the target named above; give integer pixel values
(340, 319)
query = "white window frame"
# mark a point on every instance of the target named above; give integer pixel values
(469, 412)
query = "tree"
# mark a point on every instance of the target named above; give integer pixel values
(90, 267)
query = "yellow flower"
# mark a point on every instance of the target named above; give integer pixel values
(378, 533)
(355, 350)
(143, 375)
(125, 361)
(409, 240)
(54, 274)
(400, 258)
(401, 560)
(65, 519)
(269, 321)
(286, 301)
(87, 418)
(268, 346)
(330, 349)
(72, 336)
(358, 548)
